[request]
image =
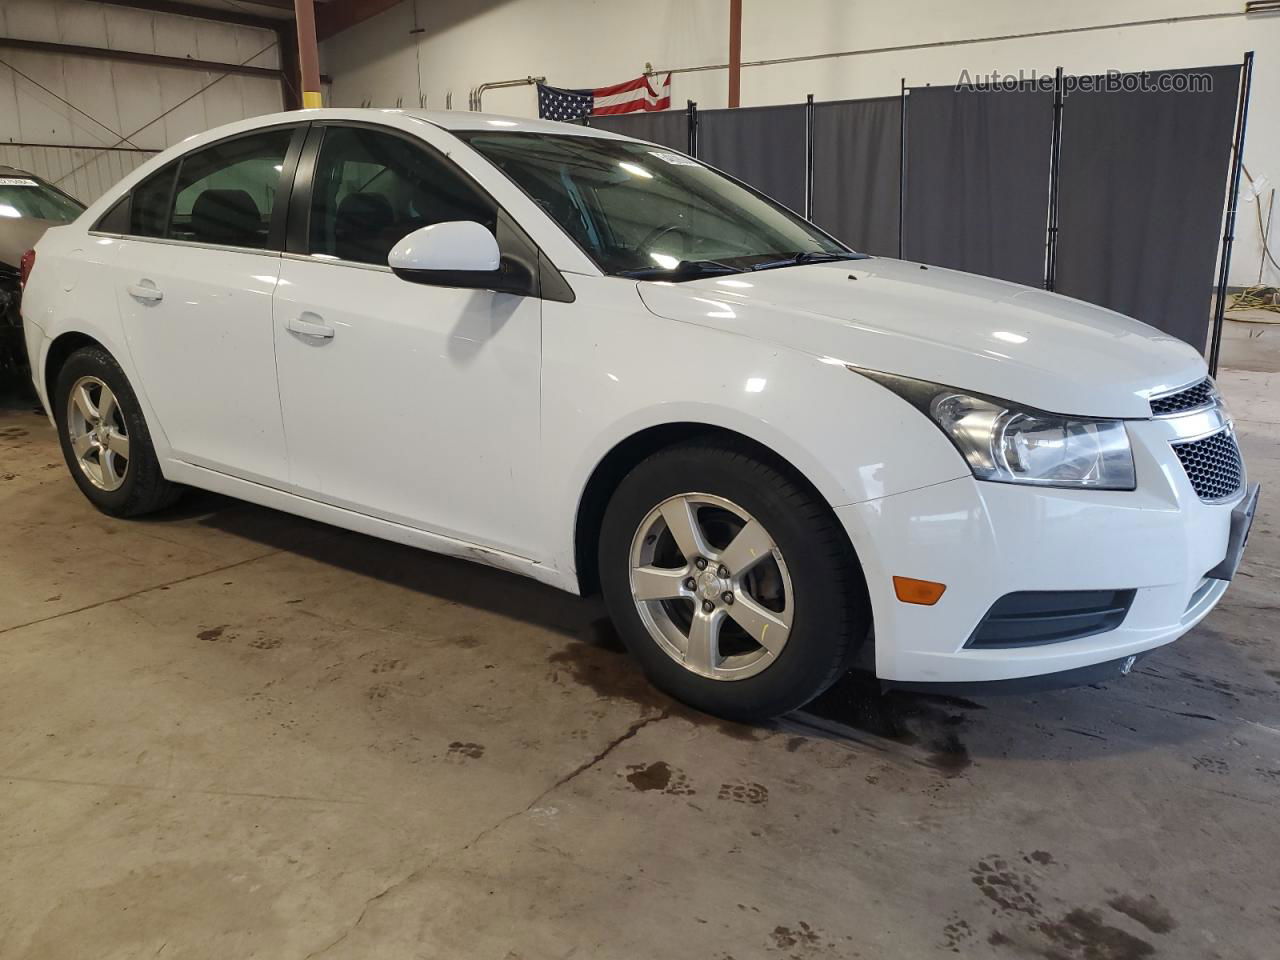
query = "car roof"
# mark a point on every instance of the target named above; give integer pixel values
(465, 120)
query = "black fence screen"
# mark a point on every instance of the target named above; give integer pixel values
(667, 127)
(1140, 200)
(977, 190)
(856, 161)
(763, 146)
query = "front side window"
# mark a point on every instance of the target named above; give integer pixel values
(372, 189)
(637, 209)
(23, 197)
(225, 193)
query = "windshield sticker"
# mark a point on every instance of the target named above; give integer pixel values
(17, 182)
(675, 159)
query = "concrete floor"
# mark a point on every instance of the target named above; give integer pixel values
(229, 733)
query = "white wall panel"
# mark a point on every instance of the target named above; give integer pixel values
(115, 99)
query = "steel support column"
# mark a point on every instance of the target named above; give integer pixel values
(735, 52)
(308, 54)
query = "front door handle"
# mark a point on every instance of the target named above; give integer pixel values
(310, 328)
(145, 290)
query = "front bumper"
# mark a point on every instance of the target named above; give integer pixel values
(984, 540)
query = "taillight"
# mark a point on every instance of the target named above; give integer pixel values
(24, 267)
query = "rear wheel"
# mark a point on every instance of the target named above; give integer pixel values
(730, 581)
(105, 440)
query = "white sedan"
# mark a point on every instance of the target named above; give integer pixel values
(605, 365)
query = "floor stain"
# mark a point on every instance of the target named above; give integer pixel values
(612, 674)
(948, 755)
(802, 936)
(1148, 911)
(1010, 890)
(743, 791)
(955, 933)
(1211, 765)
(659, 777)
(1084, 934)
(461, 750)
(213, 634)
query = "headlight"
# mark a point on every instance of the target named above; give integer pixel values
(1007, 443)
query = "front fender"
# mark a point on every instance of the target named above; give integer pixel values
(612, 369)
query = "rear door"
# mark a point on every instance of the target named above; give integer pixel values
(195, 278)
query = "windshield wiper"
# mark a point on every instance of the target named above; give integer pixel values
(684, 270)
(805, 256)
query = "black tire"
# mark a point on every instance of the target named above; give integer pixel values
(831, 615)
(144, 489)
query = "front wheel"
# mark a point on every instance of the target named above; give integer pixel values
(731, 581)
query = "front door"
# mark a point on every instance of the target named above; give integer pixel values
(195, 281)
(417, 404)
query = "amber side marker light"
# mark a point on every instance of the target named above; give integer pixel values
(924, 592)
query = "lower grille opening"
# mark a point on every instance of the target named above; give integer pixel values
(1213, 465)
(1031, 617)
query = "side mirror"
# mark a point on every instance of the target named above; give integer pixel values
(459, 253)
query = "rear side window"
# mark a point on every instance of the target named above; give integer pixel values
(148, 205)
(225, 193)
(371, 189)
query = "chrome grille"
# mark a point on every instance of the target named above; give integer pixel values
(1213, 465)
(1197, 395)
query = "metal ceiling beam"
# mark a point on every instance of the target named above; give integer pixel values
(130, 56)
(338, 15)
(277, 4)
(198, 12)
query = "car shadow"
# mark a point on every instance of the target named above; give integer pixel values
(1164, 702)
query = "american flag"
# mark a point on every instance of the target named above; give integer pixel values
(556, 103)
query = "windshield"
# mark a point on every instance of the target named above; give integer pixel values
(638, 210)
(22, 196)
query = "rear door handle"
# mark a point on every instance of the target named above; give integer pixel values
(145, 290)
(310, 328)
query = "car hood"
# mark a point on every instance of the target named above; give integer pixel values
(17, 236)
(989, 336)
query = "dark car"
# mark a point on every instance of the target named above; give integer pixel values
(28, 207)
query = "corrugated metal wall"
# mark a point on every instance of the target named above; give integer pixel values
(114, 103)
(84, 173)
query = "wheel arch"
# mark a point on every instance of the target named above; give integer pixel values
(57, 354)
(630, 451)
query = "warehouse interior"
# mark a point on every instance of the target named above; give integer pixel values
(229, 731)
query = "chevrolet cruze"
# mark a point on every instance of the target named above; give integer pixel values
(605, 365)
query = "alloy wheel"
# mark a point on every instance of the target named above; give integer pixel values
(711, 586)
(98, 433)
